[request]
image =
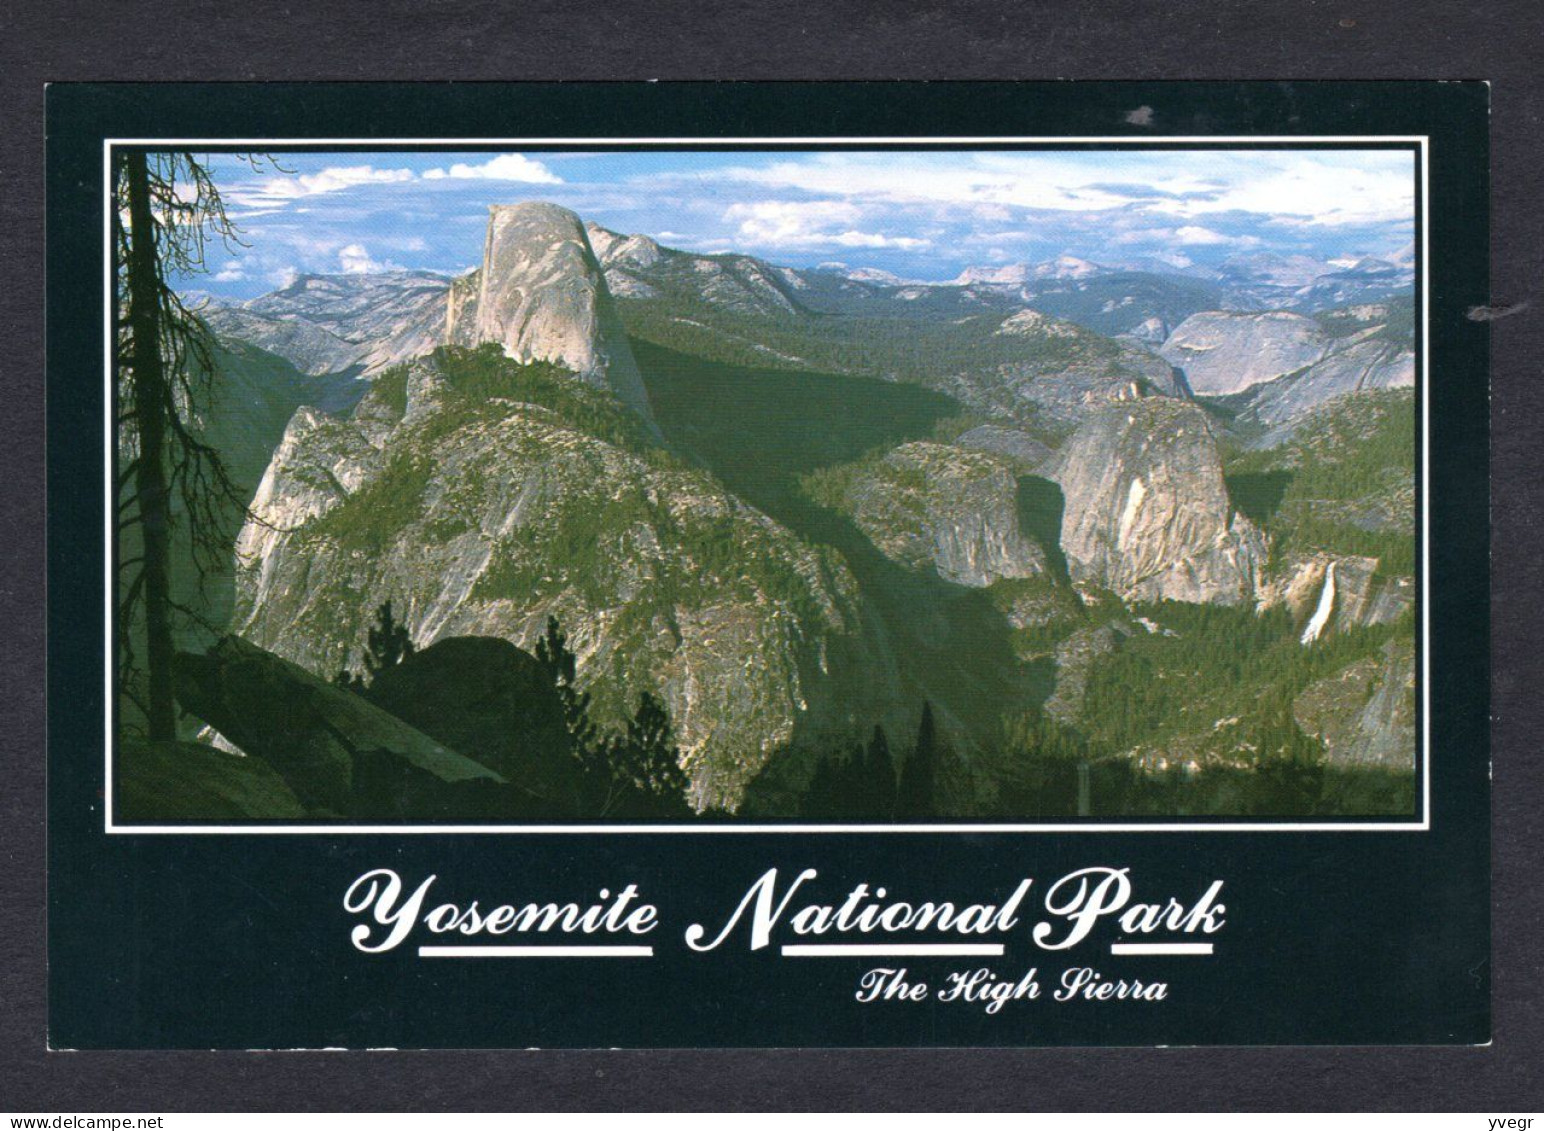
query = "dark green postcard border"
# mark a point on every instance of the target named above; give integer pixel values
(1423, 894)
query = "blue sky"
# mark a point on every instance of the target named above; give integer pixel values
(922, 215)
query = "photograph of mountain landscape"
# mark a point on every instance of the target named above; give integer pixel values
(827, 487)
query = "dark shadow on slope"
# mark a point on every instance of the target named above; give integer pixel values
(1257, 495)
(758, 430)
(1040, 516)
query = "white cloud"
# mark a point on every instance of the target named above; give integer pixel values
(872, 239)
(276, 188)
(1197, 236)
(504, 167)
(1144, 235)
(1191, 235)
(355, 259)
(408, 243)
(1320, 191)
(1323, 188)
(230, 273)
(809, 223)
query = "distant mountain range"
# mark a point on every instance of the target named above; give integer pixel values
(329, 322)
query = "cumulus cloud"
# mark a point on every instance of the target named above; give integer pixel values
(1189, 235)
(355, 259)
(1324, 188)
(504, 167)
(809, 223)
(1199, 237)
(279, 187)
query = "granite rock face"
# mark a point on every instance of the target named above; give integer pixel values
(1075, 658)
(1354, 367)
(542, 297)
(931, 506)
(308, 347)
(1020, 449)
(1365, 713)
(1067, 373)
(637, 267)
(484, 519)
(1223, 352)
(1147, 513)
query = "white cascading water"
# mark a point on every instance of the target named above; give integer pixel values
(1321, 615)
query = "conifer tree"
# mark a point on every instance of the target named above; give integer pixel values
(879, 775)
(920, 774)
(562, 668)
(165, 210)
(646, 761)
(387, 645)
(815, 802)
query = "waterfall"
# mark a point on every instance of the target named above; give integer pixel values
(1321, 615)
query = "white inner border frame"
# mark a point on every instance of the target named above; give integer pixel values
(1423, 213)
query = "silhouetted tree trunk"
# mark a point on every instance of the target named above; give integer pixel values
(148, 390)
(165, 209)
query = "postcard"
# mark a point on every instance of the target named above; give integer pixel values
(818, 565)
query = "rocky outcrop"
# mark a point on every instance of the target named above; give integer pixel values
(1065, 373)
(1075, 658)
(1365, 713)
(1029, 323)
(323, 741)
(1022, 450)
(1152, 331)
(542, 296)
(305, 345)
(1222, 352)
(1147, 514)
(484, 518)
(637, 267)
(637, 253)
(1338, 591)
(933, 507)
(1361, 364)
(1017, 274)
(461, 309)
